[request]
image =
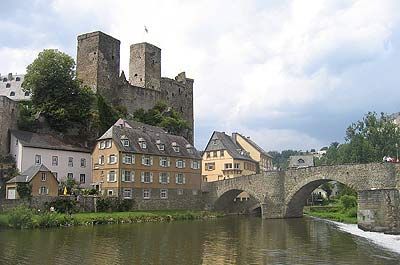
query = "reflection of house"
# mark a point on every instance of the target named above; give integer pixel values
(137, 161)
(65, 157)
(224, 159)
(39, 177)
(301, 161)
(255, 151)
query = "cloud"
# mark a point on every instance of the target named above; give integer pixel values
(295, 72)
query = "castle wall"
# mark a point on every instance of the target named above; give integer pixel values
(8, 120)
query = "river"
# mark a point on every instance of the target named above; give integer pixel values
(232, 240)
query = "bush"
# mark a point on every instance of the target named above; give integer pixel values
(348, 201)
(63, 205)
(21, 217)
(48, 219)
(352, 212)
(114, 205)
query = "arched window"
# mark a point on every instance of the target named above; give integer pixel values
(12, 94)
(300, 161)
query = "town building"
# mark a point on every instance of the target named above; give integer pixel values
(301, 161)
(98, 66)
(11, 87)
(145, 163)
(255, 151)
(224, 158)
(41, 180)
(65, 157)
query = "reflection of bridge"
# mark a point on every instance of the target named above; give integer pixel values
(283, 194)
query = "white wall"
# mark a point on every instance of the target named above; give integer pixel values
(25, 158)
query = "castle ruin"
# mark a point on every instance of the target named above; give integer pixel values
(98, 66)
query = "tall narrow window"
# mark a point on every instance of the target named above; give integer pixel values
(38, 159)
(70, 161)
(54, 160)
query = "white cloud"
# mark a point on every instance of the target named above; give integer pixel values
(252, 61)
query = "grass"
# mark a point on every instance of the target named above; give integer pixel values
(21, 217)
(333, 212)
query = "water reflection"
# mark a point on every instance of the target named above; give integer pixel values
(224, 241)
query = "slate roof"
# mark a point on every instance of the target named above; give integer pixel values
(222, 141)
(49, 141)
(151, 135)
(256, 146)
(28, 174)
(9, 83)
(295, 161)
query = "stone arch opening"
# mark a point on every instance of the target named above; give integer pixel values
(299, 199)
(228, 202)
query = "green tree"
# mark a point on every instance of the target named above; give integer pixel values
(163, 116)
(55, 91)
(24, 190)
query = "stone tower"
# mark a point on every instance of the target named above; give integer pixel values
(98, 62)
(145, 66)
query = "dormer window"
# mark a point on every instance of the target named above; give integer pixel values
(17, 79)
(26, 94)
(8, 85)
(300, 161)
(108, 143)
(12, 94)
(5, 79)
(124, 140)
(214, 142)
(175, 146)
(160, 145)
(142, 143)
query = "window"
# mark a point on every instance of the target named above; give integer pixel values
(43, 191)
(179, 191)
(112, 159)
(110, 192)
(164, 178)
(17, 79)
(142, 143)
(125, 142)
(38, 159)
(101, 160)
(16, 142)
(70, 161)
(164, 162)
(300, 161)
(127, 193)
(146, 194)
(54, 160)
(102, 145)
(237, 166)
(180, 179)
(4, 79)
(82, 178)
(8, 85)
(161, 147)
(222, 153)
(215, 154)
(147, 160)
(111, 177)
(128, 159)
(27, 94)
(164, 194)
(108, 144)
(180, 163)
(147, 177)
(176, 149)
(127, 176)
(208, 154)
(210, 166)
(195, 192)
(83, 162)
(228, 165)
(44, 176)
(195, 164)
(70, 176)
(215, 141)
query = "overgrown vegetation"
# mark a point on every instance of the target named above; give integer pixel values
(112, 204)
(23, 218)
(24, 190)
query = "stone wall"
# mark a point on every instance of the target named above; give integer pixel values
(379, 210)
(8, 121)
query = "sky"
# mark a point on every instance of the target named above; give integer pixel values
(291, 74)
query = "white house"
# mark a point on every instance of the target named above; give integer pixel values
(64, 157)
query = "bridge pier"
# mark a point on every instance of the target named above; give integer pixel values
(269, 211)
(379, 210)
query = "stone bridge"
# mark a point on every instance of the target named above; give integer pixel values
(283, 194)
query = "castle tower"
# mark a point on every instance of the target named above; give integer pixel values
(145, 66)
(98, 59)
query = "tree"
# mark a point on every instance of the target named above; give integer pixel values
(24, 190)
(56, 93)
(163, 116)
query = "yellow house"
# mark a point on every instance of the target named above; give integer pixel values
(39, 177)
(224, 159)
(255, 151)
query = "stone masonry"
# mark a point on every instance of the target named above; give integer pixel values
(283, 194)
(98, 66)
(8, 120)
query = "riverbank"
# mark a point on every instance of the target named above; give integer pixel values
(333, 212)
(24, 218)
